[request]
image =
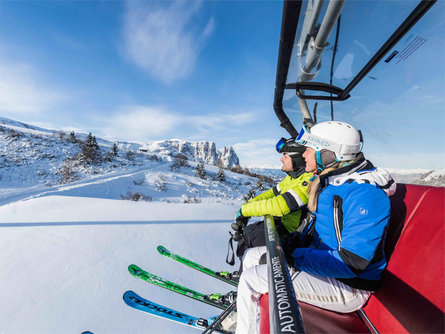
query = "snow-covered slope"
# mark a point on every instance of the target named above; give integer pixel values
(64, 262)
(36, 161)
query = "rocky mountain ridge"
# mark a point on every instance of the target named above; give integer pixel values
(199, 151)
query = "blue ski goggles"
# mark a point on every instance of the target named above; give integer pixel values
(280, 144)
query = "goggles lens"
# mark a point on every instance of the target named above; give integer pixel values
(280, 144)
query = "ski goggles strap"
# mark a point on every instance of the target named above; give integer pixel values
(303, 130)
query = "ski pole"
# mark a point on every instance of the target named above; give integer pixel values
(212, 327)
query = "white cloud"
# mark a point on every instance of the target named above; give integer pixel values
(164, 41)
(219, 122)
(147, 122)
(258, 153)
(139, 123)
(22, 91)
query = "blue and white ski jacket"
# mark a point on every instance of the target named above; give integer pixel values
(350, 226)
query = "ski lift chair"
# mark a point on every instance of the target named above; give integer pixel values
(412, 296)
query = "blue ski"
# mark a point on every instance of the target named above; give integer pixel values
(135, 301)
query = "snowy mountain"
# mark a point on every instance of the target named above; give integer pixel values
(201, 151)
(34, 161)
(274, 173)
(433, 178)
(419, 176)
(406, 175)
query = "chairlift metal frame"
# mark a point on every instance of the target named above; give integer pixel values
(313, 46)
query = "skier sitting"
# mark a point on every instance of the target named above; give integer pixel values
(285, 201)
(349, 199)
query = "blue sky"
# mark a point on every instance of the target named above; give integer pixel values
(196, 70)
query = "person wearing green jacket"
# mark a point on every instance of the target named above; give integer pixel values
(286, 201)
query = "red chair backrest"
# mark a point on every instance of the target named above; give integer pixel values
(412, 295)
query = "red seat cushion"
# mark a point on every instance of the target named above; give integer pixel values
(317, 320)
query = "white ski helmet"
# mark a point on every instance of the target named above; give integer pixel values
(338, 137)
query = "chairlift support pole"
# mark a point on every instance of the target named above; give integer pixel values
(310, 20)
(315, 49)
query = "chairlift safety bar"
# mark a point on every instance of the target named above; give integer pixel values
(284, 313)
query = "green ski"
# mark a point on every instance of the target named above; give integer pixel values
(223, 275)
(159, 281)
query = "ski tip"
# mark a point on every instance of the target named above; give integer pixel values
(162, 250)
(133, 269)
(130, 298)
(127, 295)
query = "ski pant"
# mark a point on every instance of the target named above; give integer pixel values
(324, 292)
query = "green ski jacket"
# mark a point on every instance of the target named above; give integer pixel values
(283, 200)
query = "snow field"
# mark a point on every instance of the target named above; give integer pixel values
(71, 278)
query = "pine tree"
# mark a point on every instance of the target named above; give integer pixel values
(221, 176)
(200, 171)
(73, 138)
(90, 149)
(114, 149)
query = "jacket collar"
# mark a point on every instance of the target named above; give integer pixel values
(359, 164)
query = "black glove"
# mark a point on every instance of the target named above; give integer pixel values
(289, 243)
(240, 221)
(289, 259)
(237, 236)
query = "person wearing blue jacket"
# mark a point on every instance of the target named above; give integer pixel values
(348, 197)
